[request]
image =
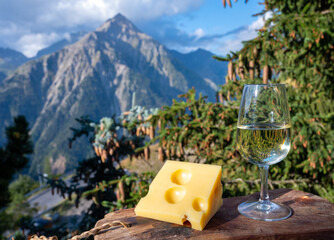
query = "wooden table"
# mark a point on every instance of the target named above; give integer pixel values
(313, 218)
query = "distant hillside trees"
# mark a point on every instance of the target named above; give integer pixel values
(14, 155)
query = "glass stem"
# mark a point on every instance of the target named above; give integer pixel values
(264, 196)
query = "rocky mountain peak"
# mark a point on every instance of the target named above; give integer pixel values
(118, 24)
(120, 18)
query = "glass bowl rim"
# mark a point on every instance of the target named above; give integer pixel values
(267, 85)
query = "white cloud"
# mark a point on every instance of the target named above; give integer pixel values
(29, 44)
(221, 43)
(235, 42)
(90, 12)
(198, 33)
(48, 21)
(21, 20)
(150, 9)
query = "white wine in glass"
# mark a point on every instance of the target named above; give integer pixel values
(263, 138)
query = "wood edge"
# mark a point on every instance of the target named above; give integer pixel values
(114, 215)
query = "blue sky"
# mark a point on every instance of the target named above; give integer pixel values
(184, 25)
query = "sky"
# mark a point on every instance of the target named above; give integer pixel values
(184, 25)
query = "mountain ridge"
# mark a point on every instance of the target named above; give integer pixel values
(94, 76)
(72, 38)
(9, 60)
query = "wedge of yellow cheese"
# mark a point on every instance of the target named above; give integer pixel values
(183, 192)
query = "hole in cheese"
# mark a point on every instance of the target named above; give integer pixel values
(175, 194)
(181, 176)
(185, 221)
(199, 204)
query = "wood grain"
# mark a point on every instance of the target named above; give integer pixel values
(313, 218)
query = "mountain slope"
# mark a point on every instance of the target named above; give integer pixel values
(95, 76)
(9, 61)
(73, 37)
(201, 62)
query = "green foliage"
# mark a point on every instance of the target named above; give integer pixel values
(300, 54)
(296, 43)
(21, 186)
(18, 210)
(130, 189)
(18, 235)
(13, 157)
(193, 124)
(101, 178)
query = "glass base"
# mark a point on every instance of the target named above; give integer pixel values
(264, 210)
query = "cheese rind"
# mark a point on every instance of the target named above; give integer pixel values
(181, 192)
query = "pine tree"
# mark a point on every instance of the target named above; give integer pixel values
(13, 157)
(295, 47)
(102, 179)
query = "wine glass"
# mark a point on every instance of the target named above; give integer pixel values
(263, 138)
